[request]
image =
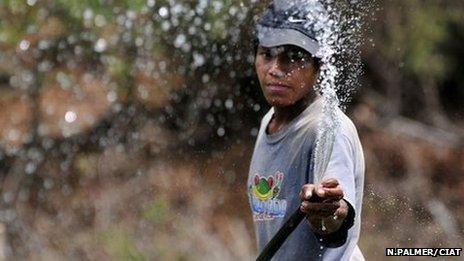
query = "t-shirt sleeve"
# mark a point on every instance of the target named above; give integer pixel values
(341, 167)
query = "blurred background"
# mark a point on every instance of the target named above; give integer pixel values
(127, 126)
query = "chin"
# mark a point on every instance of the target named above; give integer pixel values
(276, 102)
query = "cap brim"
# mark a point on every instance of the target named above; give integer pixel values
(272, 37)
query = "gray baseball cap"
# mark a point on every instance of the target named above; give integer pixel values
(291, 22)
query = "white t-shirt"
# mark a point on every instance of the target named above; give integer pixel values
(281, 165)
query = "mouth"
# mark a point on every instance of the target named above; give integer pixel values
(277, 87)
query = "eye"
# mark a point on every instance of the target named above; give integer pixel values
(266, 53)
(298, 56)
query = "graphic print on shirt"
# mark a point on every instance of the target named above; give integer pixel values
(264, 192)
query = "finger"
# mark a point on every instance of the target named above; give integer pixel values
(319, 215)
(334, 193)
(307, 208)
(330, 206)
(320, 191)
(330, 183)
(319, 208)
(341, 213)
(307, 191)
(304, 207)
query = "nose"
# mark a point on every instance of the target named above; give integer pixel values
(276, 69)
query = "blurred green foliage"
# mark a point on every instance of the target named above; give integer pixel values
(120, 245)
(416, 33)
(157, 211)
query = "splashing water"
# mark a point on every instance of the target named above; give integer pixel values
(326, 87)
(336, 27)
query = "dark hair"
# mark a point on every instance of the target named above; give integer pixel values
(255, 44)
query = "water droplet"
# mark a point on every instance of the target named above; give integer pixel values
(221, 131)
(254, 132)
(88, 14)
(179, 41)
(100, 20)
(229, 104)
(24, 45)
(13, 135)
(100, 45)
(151, 3)
(198, 60)
(70, 116)
(30, 168)
(205, 78)
(8, 197)
(31, 2)
(111, 96)
(163, 12)
(48, 183)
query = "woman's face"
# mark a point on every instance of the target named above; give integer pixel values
(286, 74)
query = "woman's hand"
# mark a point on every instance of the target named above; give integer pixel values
(328, 213)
